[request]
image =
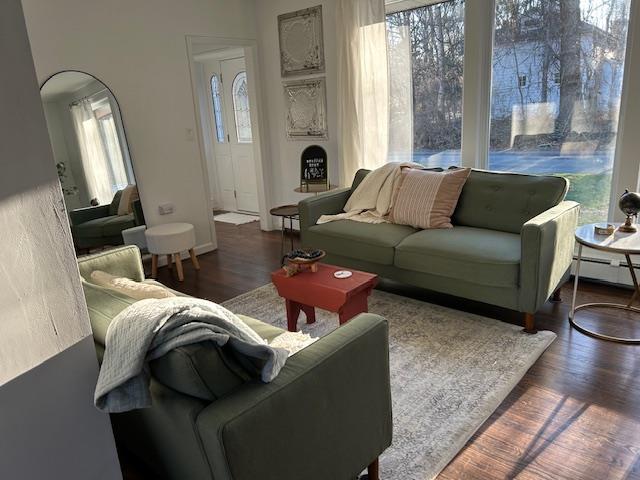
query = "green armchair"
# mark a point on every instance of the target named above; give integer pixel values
(99, 226)
(326, 416)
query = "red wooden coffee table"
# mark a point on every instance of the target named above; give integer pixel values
(306, 290)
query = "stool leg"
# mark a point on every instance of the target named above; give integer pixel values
(154, 266)
(169, 262)
(179, 266)
(194, 259)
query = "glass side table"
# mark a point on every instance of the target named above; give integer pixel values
(623, 243)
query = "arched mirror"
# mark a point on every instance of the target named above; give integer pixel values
(92, 159)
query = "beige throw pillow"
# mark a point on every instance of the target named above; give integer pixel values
(128, 287)
(129, 195)
(427, 199)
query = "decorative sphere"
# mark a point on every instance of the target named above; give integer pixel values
(629, 203)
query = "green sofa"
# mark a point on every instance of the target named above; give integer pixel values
(99, 226)
(326, 416)
(511, 245)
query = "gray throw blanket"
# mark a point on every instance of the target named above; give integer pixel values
(150, 328)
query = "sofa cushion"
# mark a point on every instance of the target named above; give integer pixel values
(363, 241)
(427, 199)
(105, 226)
(486, 257)
(505, 201)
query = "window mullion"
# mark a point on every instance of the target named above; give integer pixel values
(476, 96)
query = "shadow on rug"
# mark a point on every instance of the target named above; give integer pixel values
(449, 371)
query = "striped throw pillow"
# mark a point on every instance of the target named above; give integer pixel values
(427, 199)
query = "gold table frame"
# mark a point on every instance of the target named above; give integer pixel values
(620, 306)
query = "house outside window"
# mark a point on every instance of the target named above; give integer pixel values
(559, 117)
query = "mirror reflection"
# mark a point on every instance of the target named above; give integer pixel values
(92, 159)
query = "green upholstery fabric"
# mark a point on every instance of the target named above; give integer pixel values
(365, 241)
(547, 252)
(329, 203)
(122, 262)
(93, 227)
(164, 436)
(505, 201)
(115, 203)
(507, 297)
(82, 215)
(512, 244)
(105, 226)
(313, 424)
(331, 400)
(476, 255)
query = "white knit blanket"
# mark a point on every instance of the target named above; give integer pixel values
(372, 200)
(150, 328)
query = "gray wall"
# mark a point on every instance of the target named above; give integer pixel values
(48, 425)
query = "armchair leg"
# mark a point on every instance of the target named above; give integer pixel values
(373, 470)
(557, 296)
(529, 323)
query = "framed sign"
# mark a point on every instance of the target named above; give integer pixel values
(301, 42)
(313, 167)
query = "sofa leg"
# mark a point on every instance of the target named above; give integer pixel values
(529, 323)
(557, 296)
(373, 470)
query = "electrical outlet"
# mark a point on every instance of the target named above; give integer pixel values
(165, 208)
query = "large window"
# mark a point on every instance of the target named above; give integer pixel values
(426, 56)
(556, 86)
(548, 74)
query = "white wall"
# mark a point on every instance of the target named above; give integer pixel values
(43, 319)
(138, 49)
(285, 154)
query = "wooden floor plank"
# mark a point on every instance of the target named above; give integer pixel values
(575, 414)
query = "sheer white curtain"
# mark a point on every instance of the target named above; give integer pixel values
(102, 161)
(363, 86)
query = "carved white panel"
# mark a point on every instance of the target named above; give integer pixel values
(301, 42)
(306, 109)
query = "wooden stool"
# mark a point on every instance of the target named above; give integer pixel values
(170, 239)
(286, 211)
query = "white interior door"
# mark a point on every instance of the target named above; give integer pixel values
(235, 159)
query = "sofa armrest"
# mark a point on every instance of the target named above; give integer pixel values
(326, 415)
(329, 203)
(82, 215)
(547, 243)
(121, 262)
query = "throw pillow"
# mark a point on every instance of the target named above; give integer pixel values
(128, 287)
(129, 195)
(427, 199)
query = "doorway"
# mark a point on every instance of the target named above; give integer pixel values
(227, 103)
(231, 119)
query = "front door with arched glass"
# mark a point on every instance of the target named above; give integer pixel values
(234, 146)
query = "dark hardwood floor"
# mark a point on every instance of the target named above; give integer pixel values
(575, 414)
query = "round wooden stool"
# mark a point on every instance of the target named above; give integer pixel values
(170, 239)
(286, 211)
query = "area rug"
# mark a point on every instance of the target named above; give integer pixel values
(449, 371)
(236, 218)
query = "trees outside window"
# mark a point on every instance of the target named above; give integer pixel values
(426, 58)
